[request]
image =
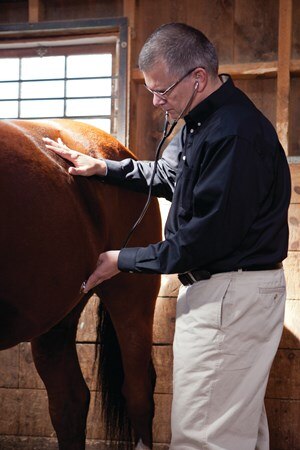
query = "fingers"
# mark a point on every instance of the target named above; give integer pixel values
(107, 267)
(60, 148)
(92, 281)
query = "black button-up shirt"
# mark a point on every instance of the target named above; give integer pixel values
(229, 182)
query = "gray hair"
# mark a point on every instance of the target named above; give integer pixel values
(181, 47)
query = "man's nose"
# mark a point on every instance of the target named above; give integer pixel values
(158, 101)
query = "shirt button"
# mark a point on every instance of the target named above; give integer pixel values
(184, 157)
(199, 124)
(191, 130)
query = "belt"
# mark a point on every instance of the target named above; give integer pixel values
(193, 276)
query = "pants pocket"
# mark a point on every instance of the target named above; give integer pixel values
(271, 295)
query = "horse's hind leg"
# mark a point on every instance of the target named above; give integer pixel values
(133, 319)
(56, 360)
(139, 380)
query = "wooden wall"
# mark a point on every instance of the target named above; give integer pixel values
(259, 44)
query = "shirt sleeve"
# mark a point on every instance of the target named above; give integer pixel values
(136, 175)
(232, 184)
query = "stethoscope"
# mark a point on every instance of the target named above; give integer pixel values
(167, 130)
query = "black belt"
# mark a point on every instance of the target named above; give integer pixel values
(193, 276)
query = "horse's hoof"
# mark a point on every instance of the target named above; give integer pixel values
(141, 446)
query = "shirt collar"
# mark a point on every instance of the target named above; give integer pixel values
(211, 103)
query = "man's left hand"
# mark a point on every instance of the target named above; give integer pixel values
(107, 267)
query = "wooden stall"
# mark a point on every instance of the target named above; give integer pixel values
(259, 45)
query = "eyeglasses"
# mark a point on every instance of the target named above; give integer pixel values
(163, 94)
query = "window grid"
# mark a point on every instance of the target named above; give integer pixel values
(65, 98)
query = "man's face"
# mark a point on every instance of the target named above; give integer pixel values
(176, 98)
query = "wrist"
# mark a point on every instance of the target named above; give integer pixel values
(101, 168)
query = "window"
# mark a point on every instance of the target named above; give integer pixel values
(78, 78)
(75, 86)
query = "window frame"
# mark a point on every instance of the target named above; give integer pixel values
(26, 38)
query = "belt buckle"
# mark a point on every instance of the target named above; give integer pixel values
(188, 278)
(185, 279)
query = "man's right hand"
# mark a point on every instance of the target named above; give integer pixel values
(83, 164)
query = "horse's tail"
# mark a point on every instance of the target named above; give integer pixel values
(110, 380)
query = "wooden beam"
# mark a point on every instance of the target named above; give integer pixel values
(34, 11)
(129, 8)
(283, 75)
(250, 70)
(295, 67)
(237, 71)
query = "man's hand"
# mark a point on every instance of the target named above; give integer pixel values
(107, 267)
(83, 164)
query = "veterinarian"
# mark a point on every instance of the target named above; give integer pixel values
(226, 236)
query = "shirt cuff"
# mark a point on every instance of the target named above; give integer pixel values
(127, 258)
(114, 169)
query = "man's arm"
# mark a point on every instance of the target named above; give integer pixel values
(134, 175)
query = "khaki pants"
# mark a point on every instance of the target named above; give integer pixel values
(228, 329)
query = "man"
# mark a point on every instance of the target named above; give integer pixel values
(226, 235)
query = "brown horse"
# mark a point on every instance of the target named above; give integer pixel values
(52, 230)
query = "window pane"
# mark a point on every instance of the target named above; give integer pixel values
(89, 107)
(8, 110)
(43, 68)
(89, 88)
(9, 69)
(89, 66)
(9, 90)
(42, 89)
(103, 124)
(42, 108)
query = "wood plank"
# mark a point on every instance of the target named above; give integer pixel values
(162, 421)
(255, 36)
(9, 367)
(28, 376)
(295, 65)
(292, 271)
(13, 12)
(24, 412)
(129, 10)
(9, 411)
(46, 443)
(34, 11)
(291, 332)
(295, 175)
(164, 320)
(294, 114)
(78, 9)
(296, 30)
(163, 362)
(215, 20)
(247, 71)
(87, 326)
(284, 380)
(169, 286)
(294, 227)
(283, 76)
(284, 424)
(250, 70)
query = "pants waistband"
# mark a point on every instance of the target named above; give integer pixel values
(193, 276)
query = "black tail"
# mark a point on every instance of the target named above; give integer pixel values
(110, 380)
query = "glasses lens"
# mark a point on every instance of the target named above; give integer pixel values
(163, 95)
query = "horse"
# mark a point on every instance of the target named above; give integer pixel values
(53, 228)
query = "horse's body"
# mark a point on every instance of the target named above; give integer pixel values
(52, 230)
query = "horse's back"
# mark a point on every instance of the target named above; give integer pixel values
(54, 225)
